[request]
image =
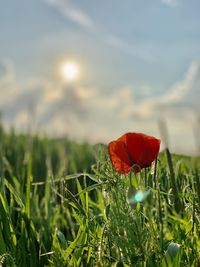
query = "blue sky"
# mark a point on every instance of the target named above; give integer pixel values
(138, 58)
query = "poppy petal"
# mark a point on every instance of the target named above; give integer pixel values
(135, 145)
(142, 148)
(119, 156)
(152, 147)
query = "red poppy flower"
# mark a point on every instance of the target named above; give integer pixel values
(133, 148)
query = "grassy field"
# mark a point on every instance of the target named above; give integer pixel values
(62, 204)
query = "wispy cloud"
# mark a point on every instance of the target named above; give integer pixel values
(171, 3)
(130, 49)
(72, 13)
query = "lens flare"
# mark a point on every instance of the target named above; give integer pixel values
(139, 196)
(135, 196)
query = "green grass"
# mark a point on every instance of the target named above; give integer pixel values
(62, 204)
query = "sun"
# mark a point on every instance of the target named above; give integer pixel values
(70, 70)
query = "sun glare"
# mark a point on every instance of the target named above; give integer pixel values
(70, 71)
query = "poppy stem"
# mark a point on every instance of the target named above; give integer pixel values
(139, 174)
(130, 177)
(145, 177)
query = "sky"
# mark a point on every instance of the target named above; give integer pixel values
(138, 60)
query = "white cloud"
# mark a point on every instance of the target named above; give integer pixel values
(181, 99)
(78, 109)
(180, 91)
(8, 85)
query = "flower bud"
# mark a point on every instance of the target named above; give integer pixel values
(173, 252)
